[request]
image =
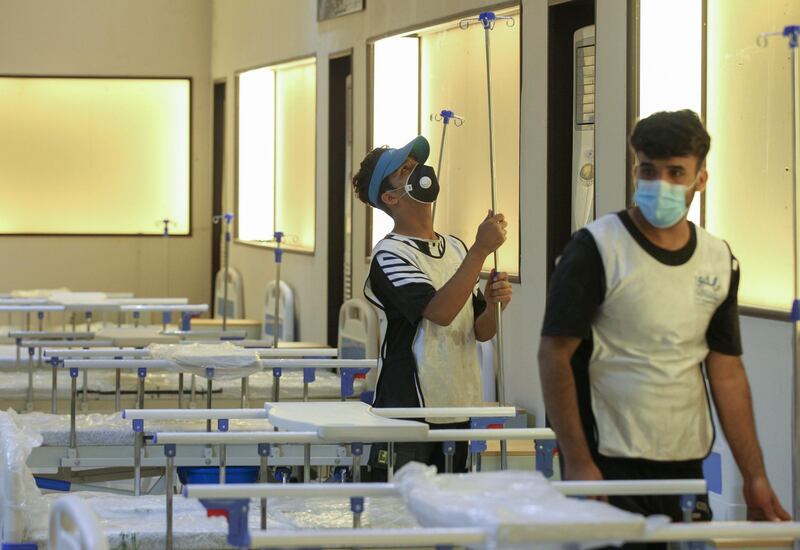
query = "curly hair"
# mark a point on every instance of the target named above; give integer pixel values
(672, 134)
(362, 178)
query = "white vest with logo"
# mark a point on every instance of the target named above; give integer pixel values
(446, 357)
(649, 338)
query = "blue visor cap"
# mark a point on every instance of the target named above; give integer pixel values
(392, 159)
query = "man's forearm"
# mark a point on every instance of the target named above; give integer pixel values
(448, 300)
(486, 323)
(734, 405)
(561, 402)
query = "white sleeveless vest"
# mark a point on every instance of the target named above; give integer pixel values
(447, 357)
(649, 338)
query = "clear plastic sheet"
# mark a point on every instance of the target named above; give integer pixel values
(517, 508)
(227, 360)
(139, 522)
(20, 499)
(111, 429)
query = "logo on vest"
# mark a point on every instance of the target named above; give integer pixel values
(707, 288)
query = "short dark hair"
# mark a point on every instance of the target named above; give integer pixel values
(672, 134)
(364, 175)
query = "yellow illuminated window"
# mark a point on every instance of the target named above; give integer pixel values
(749, 196)
(659, 88)
(452, 76)
(395, 107)
(94, 155)
(276, 162)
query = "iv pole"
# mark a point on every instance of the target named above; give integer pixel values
(445, 116)
(792, 32)
(488, 20)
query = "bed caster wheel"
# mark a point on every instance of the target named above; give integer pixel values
(283, 474)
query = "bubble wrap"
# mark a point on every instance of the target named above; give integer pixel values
(227, 360)
(517, 508)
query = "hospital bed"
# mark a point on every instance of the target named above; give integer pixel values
(99, 441)
(495, 510)
(104, 384)
(277, 511)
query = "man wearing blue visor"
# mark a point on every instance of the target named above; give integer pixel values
(426, 286)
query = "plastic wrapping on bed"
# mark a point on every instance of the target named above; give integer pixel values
(227, 360)
(516, 507)
(20, 499)
(139, 522)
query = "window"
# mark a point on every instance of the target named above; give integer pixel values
(450, 74)
(659, 89)
(395, 107)
(749, 196)
(94, 156)
(276, 150)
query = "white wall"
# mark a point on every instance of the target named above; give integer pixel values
(123, 38)
(768, 361)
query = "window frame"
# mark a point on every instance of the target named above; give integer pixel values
(312, 58)
(159, 232)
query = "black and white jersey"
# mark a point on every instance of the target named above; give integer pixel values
(422, 364)
(648, 318)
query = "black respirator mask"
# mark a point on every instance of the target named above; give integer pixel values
(422, 185)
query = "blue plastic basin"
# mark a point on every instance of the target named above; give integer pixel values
(194, 475)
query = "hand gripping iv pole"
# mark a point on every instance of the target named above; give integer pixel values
(488, 20)
(445, 117)
(792, 32)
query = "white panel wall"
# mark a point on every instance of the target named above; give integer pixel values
(611, 131)
(116, 38)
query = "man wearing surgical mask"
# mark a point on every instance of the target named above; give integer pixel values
(640, 300)
(426, 288)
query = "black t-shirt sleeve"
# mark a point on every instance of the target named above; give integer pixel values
(577, 288)
(400, 285)
(478, 302)
(723, 334)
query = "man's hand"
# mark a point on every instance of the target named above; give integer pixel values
(497, 289)
(762, 504)
(585, 471)
(491, 233)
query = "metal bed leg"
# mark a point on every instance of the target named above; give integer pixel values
(73, 403)
(169, 452)
(222, 463)
(117, 383)
(209, 390)
(276, 384)
(357, 507)
(29, 393)
(85, 391)
(54, 387)
(245, 389)
(307, 463)
(263, 453)
(390, 461)
(180, 390)
(449, 449)
(357, 450)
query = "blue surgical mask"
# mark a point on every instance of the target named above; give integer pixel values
(662, 203)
